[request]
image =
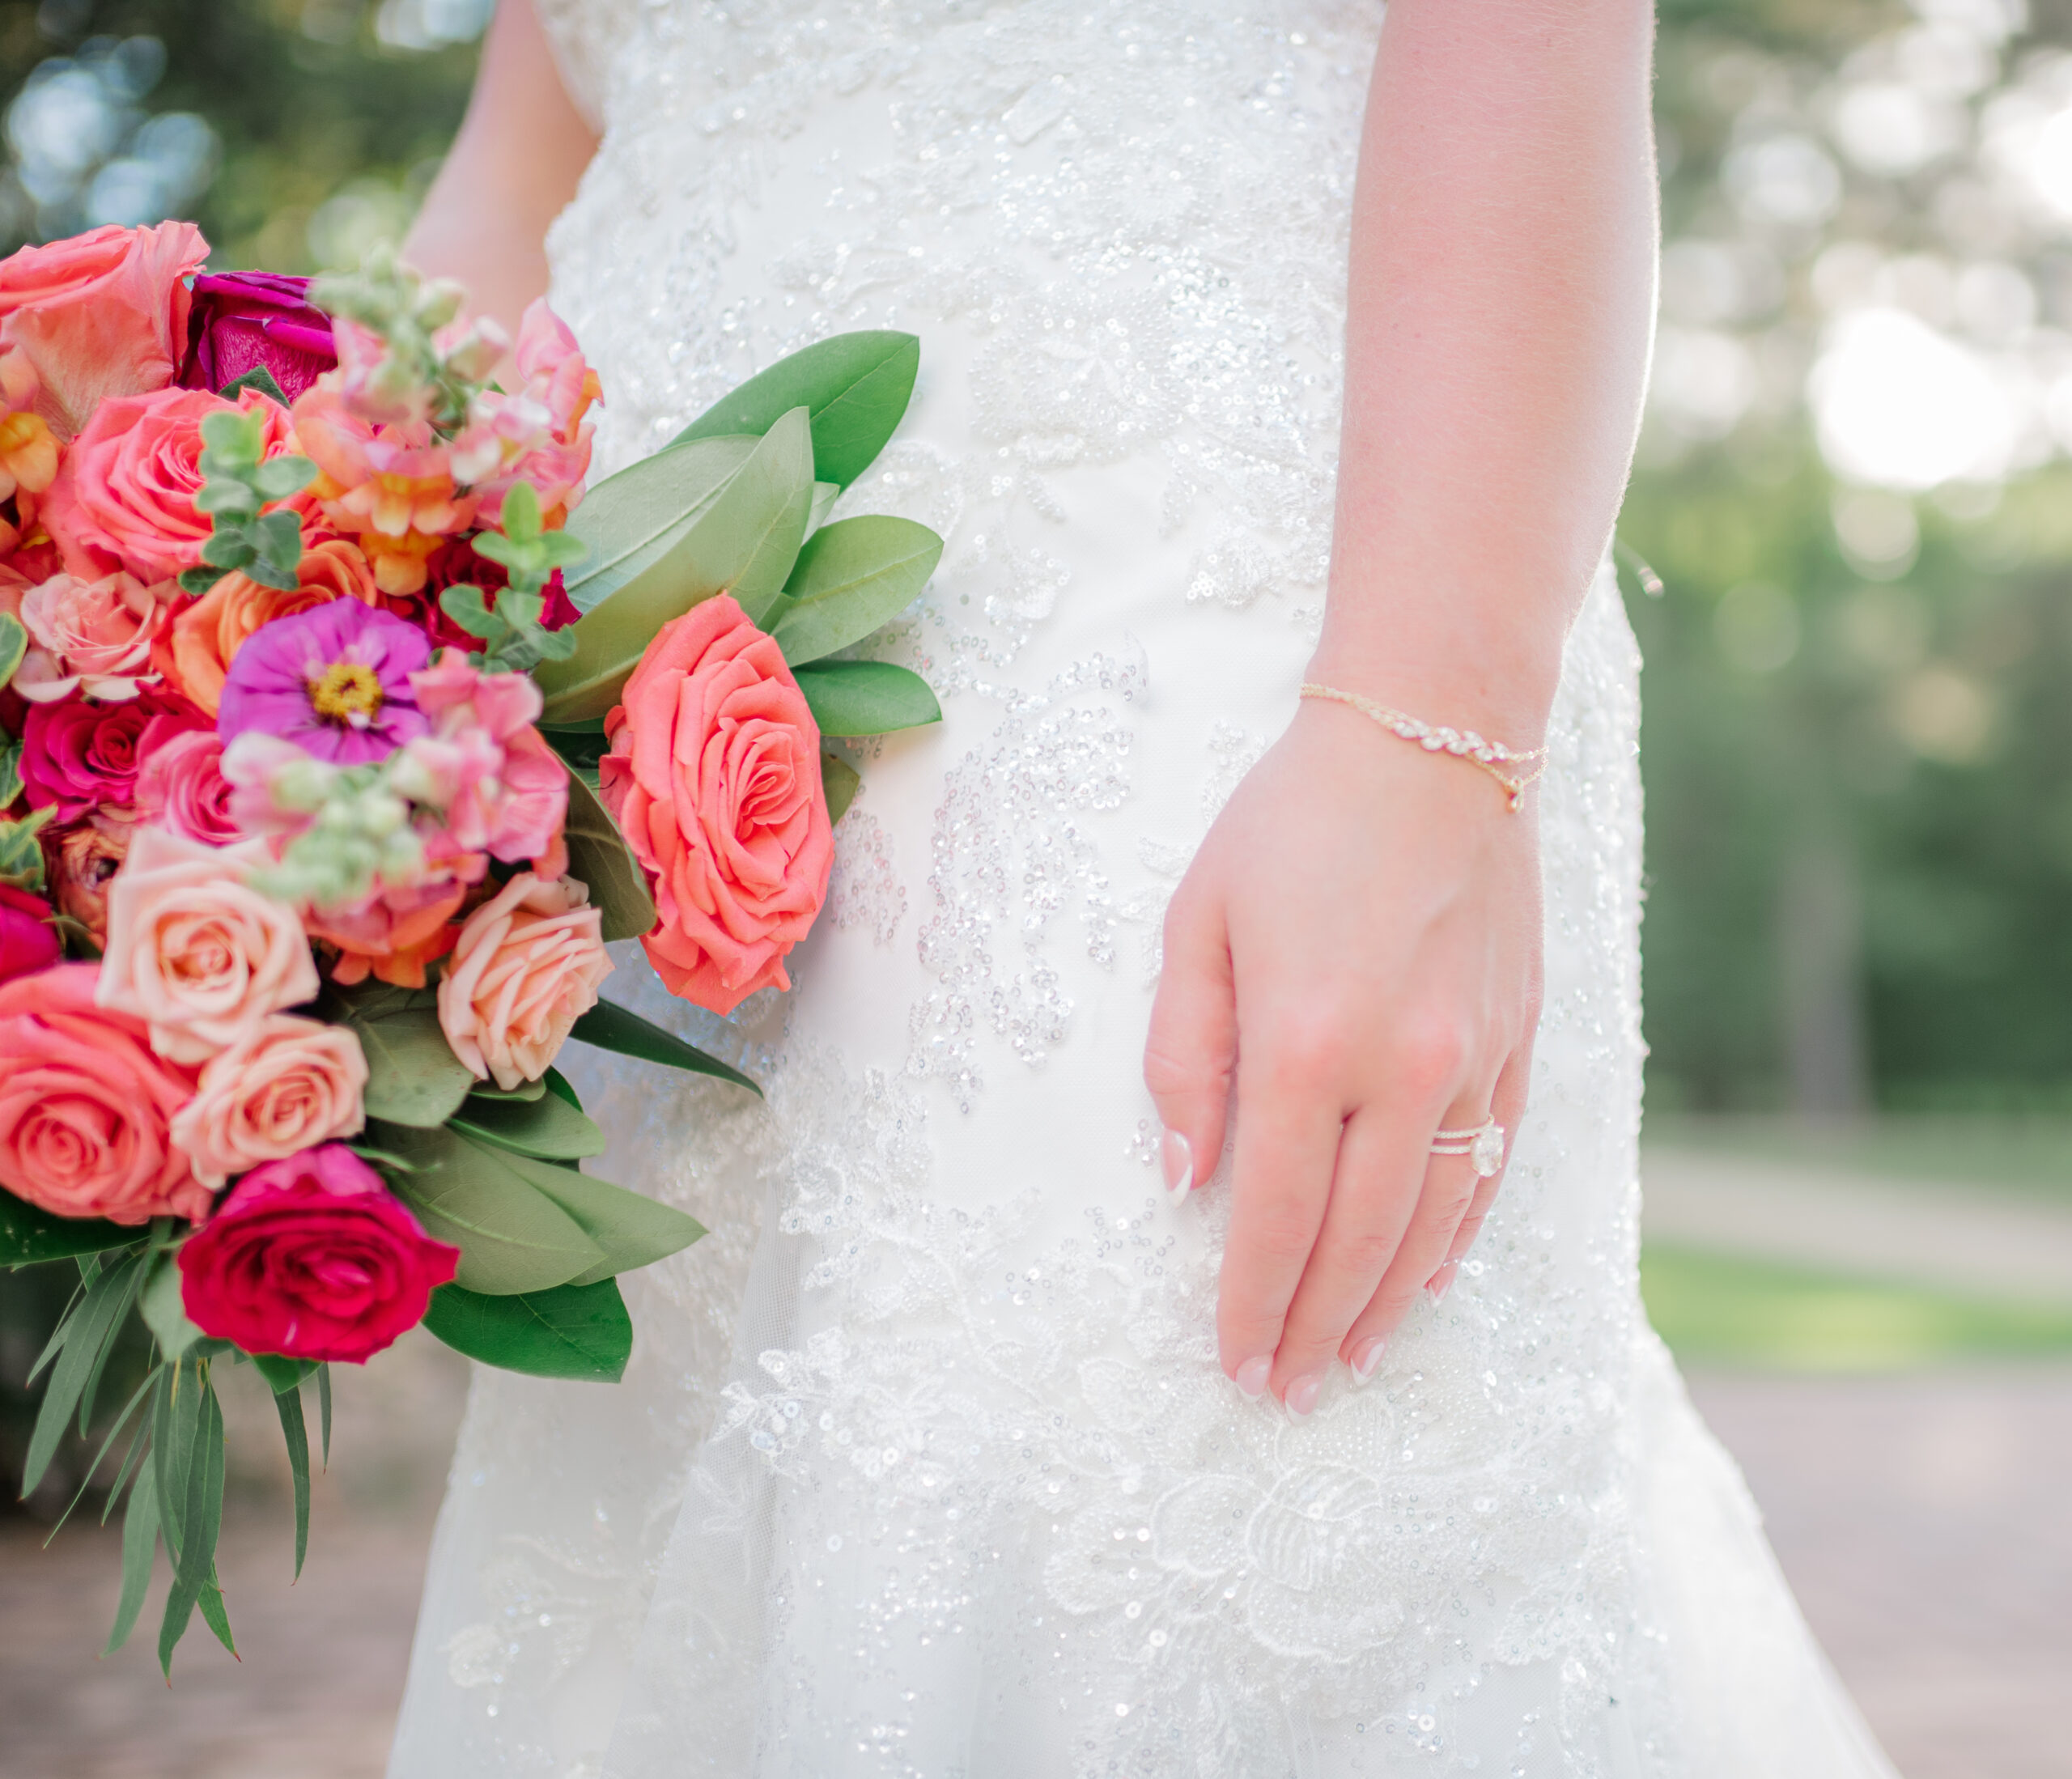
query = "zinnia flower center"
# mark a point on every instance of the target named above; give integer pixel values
(347, 692)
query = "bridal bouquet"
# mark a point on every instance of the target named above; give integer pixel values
(340, 729)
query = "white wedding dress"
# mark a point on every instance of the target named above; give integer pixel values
(924, 1466)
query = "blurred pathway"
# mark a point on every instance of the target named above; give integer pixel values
(1962, 1237)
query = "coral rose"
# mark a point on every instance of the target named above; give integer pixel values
(28, 942)
(82, 860)
(182, 786)
(245, 321)
(526, 969)
(205, 638)
(86, 1109)
(288, 1085)
(195, 952)
(79, 756)
(102, 315)
(124, 496)
(311, 1258)
(713, 778)
(93, 637)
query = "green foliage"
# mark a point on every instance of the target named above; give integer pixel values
(854, 386)
(581, 1332)
(850, 579)
(414, 1078)
(599, 859)
(611, 1026)
(866, 697)
(264, 546)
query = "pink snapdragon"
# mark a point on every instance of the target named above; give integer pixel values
(537, 433)
(489, 772)
(391, 487)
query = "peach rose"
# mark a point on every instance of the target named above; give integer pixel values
(93, 637)
(195, 952)
(526, 969)
(203, 639)
(103, 315)
(289, 1085)
(125, 495)
(713, 778)
(86, 1109)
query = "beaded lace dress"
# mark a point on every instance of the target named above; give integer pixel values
(923, 1468)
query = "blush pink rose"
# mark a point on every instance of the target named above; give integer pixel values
(86, 1109)
(311, 1258)
(28, 942)
(125, 495)
(195, 952)
(290, 1085)
(526, 968)
(713, 778)
(93, 637)
(180, 786)
(101, 316)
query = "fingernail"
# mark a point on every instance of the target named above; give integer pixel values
(1177, 1156)
(1251, 1378)
(1442, 1281)
(1299, 1397)
(1367, 1358)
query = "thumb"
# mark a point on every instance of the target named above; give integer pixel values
(1191, 1054)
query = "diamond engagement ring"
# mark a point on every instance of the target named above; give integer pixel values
(1484, 1146)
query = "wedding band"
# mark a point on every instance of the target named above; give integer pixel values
(1483, 1147)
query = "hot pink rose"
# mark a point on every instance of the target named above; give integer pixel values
(93, 637)
(28, 942)
(103, 315)
(291, 1085)
(526, 969)
(80, 755)
(86, 1109)
(311, 1258)
(125, 497)
(195, 952)
(244, 321)
(182, 786)
(714, 777)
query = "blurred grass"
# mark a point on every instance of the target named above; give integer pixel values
(1715, 1309)
(2017, 1151)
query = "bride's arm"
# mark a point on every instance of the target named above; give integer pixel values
(1356, 949)
(512, 168)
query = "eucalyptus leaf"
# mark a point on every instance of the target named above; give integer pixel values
(13, 645)
(87, 1335)
(282, 1373)
(512, 1237)
(852, 577)
(581, 1332)
(856, 387)
(413, 1076)
(630, 519)
(287, 1404)
(840, 782)
(10, 762)
(200, 1519)
(743, 542)
(140, 1546)
(611, 1026)
(28, 1234)
(599, 859)
(547, 1127)
(164, 1313)
(866, 697)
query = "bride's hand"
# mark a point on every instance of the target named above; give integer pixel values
(1355, 952)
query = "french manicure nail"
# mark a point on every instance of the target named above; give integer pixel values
(1251, 1378)
(1300, 1396)
(1367, 1358)
(1442, 1281)
(1177, 1156)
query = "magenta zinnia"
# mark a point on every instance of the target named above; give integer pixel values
(335, 680)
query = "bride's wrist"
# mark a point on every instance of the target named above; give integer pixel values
(1509, 708)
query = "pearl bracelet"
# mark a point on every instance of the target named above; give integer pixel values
(1490, 756)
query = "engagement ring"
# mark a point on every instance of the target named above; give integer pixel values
(1484, 1146)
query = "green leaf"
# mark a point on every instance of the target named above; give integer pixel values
(228, 549)
(488, 1090)
(839, 783)
(581, 745)
(13, 645)
(611, 1026)
(547, 1128)
(855, 386)
(825, 495)
(200, 580)
(852, 577)
(633, 1230)
(10, 761)
(140, 1545)
(21, 857)
(743, 542)
(323, 1407)
(512, 1237)
(200, 1522)
(413, 1076)
(114, 1432)
(259, 377)
(287, 1404)
(630, 519)
(282, 1373)
(598, 859)
(164, 1313)
(866, 697)
(556, 1084)
(575, 1331)
(87, 1337)
(28, 1234)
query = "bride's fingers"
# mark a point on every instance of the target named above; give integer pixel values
(1373, 1193)
(1449, 1189)
(1507, 1106)
(1288, 1142)
(1191, 1050)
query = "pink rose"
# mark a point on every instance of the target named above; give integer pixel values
(103, 315)
(288, 1085)
(713, 778)
(79, 756)
(124, 496)
(311, 1258)
(91, 636)
(526, 969)
(28, 942)
(196, 953)
(86, 1109)
(181, 787)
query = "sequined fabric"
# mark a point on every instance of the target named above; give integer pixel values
(924, 1466)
